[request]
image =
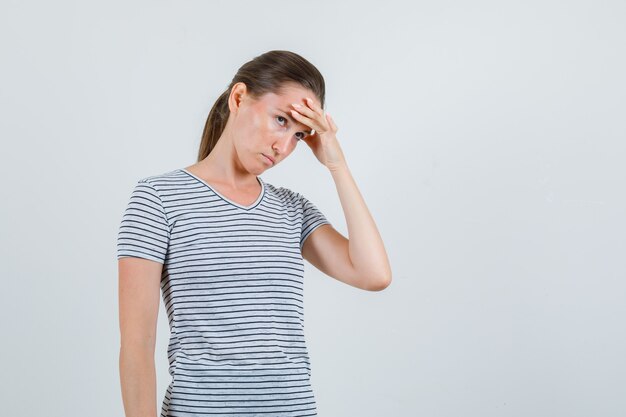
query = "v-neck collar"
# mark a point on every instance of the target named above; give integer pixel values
(228, 200)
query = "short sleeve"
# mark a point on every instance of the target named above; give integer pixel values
(312, 218)
(144, 230)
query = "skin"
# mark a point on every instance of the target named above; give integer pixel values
(254, 128)
(273, 125)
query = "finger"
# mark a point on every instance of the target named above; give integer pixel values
(317, 109)
(312, 123)
(310, 113)
(331, 122)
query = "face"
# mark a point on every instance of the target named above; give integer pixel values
(265, 127)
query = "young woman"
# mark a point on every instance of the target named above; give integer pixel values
(226, 249)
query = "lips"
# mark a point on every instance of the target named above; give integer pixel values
(269, 159)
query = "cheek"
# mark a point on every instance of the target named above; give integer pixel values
(271, 130)
(256, 129)
(273, 127)
(252, 121)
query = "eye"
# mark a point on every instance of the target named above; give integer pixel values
(303, 135)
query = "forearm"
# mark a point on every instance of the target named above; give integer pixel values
(138, 381)
(366, 249)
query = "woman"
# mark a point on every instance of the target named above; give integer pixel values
(226, 249)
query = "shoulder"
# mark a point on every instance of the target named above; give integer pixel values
(164, 183)
(283, 194)
(163, 188)
(157, 179)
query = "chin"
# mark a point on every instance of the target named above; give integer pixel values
(257, 169)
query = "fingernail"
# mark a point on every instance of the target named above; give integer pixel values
(296, 105)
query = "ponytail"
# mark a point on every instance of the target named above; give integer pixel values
(214, 126)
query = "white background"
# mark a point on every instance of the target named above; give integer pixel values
(487, 137)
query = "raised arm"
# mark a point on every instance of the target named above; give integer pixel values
(359, 260)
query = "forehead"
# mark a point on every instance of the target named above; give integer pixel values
(282, 101)
(289, 94)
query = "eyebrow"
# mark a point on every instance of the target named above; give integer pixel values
(291, 119)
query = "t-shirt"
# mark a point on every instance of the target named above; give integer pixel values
(232, 286)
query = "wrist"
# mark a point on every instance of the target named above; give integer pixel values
(338, 168)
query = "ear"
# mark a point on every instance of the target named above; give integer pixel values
(237, 95)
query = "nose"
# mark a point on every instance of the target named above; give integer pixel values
(281, 146)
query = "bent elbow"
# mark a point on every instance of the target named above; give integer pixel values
(380, 284)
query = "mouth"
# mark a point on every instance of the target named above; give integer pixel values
(268, 159)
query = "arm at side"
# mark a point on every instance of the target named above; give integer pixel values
(139, 292)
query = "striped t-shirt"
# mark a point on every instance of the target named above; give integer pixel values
(232, 287)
